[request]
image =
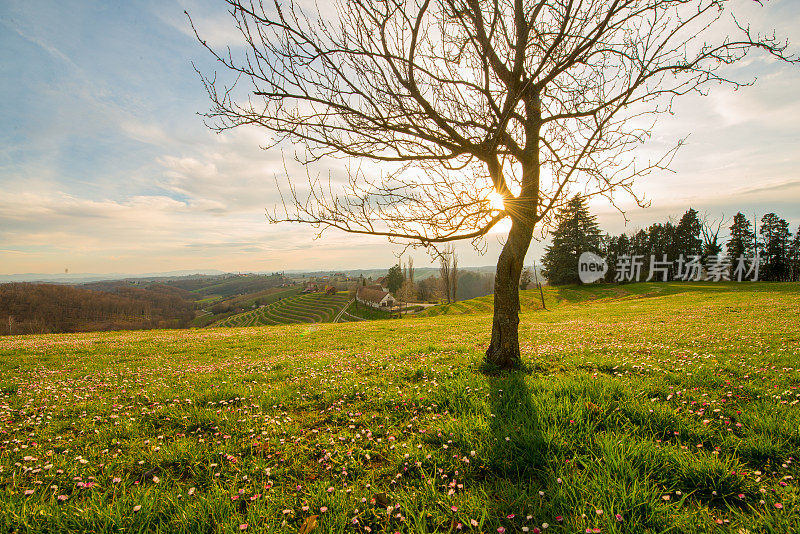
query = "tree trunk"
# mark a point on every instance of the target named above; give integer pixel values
(503, 352)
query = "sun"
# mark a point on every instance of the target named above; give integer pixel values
(495, 201)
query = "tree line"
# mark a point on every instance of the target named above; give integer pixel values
(673, 244)
(452, 283)
(28, 308)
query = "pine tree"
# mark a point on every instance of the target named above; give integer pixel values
(639, 244)
(794, 257)
(774, 247)
(615, 247)
(687, 234)
(394, 280)
(576, 232)
(741, 240)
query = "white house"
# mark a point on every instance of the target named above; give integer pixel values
(374, 298)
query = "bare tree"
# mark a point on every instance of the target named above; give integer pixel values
(429, 289)
(525, 278)
(352, 291)
(711, 229)
(408, 291)
(448, 272)
(454, 273)
(445, 274)
(408, 269)
(459, 99)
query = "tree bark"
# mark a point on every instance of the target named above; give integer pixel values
(503, 351)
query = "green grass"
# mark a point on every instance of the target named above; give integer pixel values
(477, 305)
(555, 296)
(358, 310)
(672, 405)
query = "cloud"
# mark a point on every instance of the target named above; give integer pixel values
(780, 186)
(51, 50)
(143, 132)
(235, 173)
(215, 26)
(773, 105)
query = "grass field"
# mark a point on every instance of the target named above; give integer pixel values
(531, 300)
(647, 408)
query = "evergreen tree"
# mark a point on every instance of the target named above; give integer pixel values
(794, 257)
(670, 247)
(394, 280)
(687, 234)
(616, 247)
(741, 240)
(657, 239)
(640, 245)
(774, 247)
(576, 232)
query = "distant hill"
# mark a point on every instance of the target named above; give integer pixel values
(234, 285)
(125, 287)
(27, 308)
(82, 278)
(420, 273)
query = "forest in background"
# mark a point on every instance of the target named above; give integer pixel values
(27, 308)
(36, 308)
(708, 239)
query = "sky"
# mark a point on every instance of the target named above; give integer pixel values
(105, 165)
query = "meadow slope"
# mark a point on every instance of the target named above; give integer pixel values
(647, 408)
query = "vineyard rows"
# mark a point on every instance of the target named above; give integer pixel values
(308, 308)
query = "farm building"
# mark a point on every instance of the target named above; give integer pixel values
(311, 287)
(374, 297)
(381, 282)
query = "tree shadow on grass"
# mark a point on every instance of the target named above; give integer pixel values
(516, 457)
(519, 450)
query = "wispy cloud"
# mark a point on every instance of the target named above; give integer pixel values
(213, 22)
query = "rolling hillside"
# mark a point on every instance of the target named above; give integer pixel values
(530, 300)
